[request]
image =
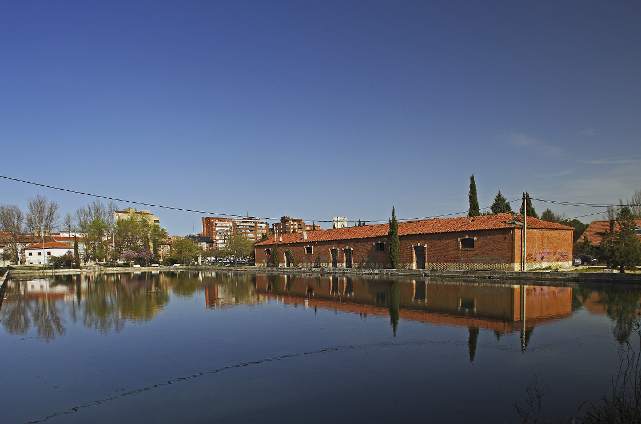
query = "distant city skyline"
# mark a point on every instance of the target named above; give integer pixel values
(319, 110)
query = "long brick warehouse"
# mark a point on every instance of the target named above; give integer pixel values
(464, 243)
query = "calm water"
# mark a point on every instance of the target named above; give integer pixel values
(225, 347)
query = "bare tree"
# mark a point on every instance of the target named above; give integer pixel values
(68, 223)
(42, 216)
(635, 204)
(12, 223)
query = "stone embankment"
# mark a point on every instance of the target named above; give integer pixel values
(543, 277)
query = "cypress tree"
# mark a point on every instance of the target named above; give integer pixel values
(473, 198)
(394, 242)
(500, 205)
(530, 209)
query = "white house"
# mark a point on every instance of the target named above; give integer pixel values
(40, 253)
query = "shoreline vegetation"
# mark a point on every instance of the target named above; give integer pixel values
(539, 276)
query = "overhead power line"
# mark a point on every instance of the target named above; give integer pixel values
(204, 212)
(117, 199)
(583, 204)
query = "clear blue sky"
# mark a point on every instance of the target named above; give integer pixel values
(316, 109)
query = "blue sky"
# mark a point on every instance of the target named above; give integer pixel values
(316, 109)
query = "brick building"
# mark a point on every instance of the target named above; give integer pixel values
(597, 230)
(483, 242)
(219, 230)
(288, 225)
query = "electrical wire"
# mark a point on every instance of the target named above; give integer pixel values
(219, 214)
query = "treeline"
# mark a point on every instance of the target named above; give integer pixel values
(132, 239)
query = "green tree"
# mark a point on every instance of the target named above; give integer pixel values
(394, 242)
(579, 227)
(530, 209)
(550, 216)
(239, 247)
(500, 205)
(273, 259)
(157, 236)
(621, 247)
(473, 199)
(184, 251)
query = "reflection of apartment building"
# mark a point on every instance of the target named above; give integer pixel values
(146, 215)
(288, 225)
(219, 230)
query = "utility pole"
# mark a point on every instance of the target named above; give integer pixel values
(524, 234)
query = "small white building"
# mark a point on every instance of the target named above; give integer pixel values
(40, 253)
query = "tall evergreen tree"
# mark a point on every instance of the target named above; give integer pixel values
(550, 216)
(473, 198)
(530, 209)
(394, 242)
(500, 205)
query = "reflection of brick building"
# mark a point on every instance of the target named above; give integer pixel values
(483, 242)
(495, 307)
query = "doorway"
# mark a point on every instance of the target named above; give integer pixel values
(419, 257)
(348, 257)
(334, 253)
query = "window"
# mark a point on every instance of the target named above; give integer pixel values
(309, 250)
(30, 254)
(48, 253)
(467, 243)
(39, 253)
(268, 251)
(379, 246)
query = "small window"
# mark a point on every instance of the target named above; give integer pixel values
(30, 254)
(268, 251)
(309, 250)
(467, 243)
(48, 253)
(39, 253)
(380, 246)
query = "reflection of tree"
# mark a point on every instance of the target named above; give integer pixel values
(100, 305)
(621, 306)
(15, 315)
(46, 318)
(395, 305)
(185, 284)
(472, 341)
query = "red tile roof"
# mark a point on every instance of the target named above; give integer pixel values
(426, 226)
(597, 230)
(48, 245)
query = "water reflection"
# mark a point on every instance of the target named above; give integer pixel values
(500, 308)
(106, 302)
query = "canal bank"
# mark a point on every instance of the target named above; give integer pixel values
(539, 277)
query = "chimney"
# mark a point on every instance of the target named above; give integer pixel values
(280, 239)
(304, 234)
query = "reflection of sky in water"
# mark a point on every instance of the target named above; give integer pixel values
(460, 352)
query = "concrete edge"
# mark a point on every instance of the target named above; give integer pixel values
(549, 277)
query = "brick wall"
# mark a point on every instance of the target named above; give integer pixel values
(493, 249)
